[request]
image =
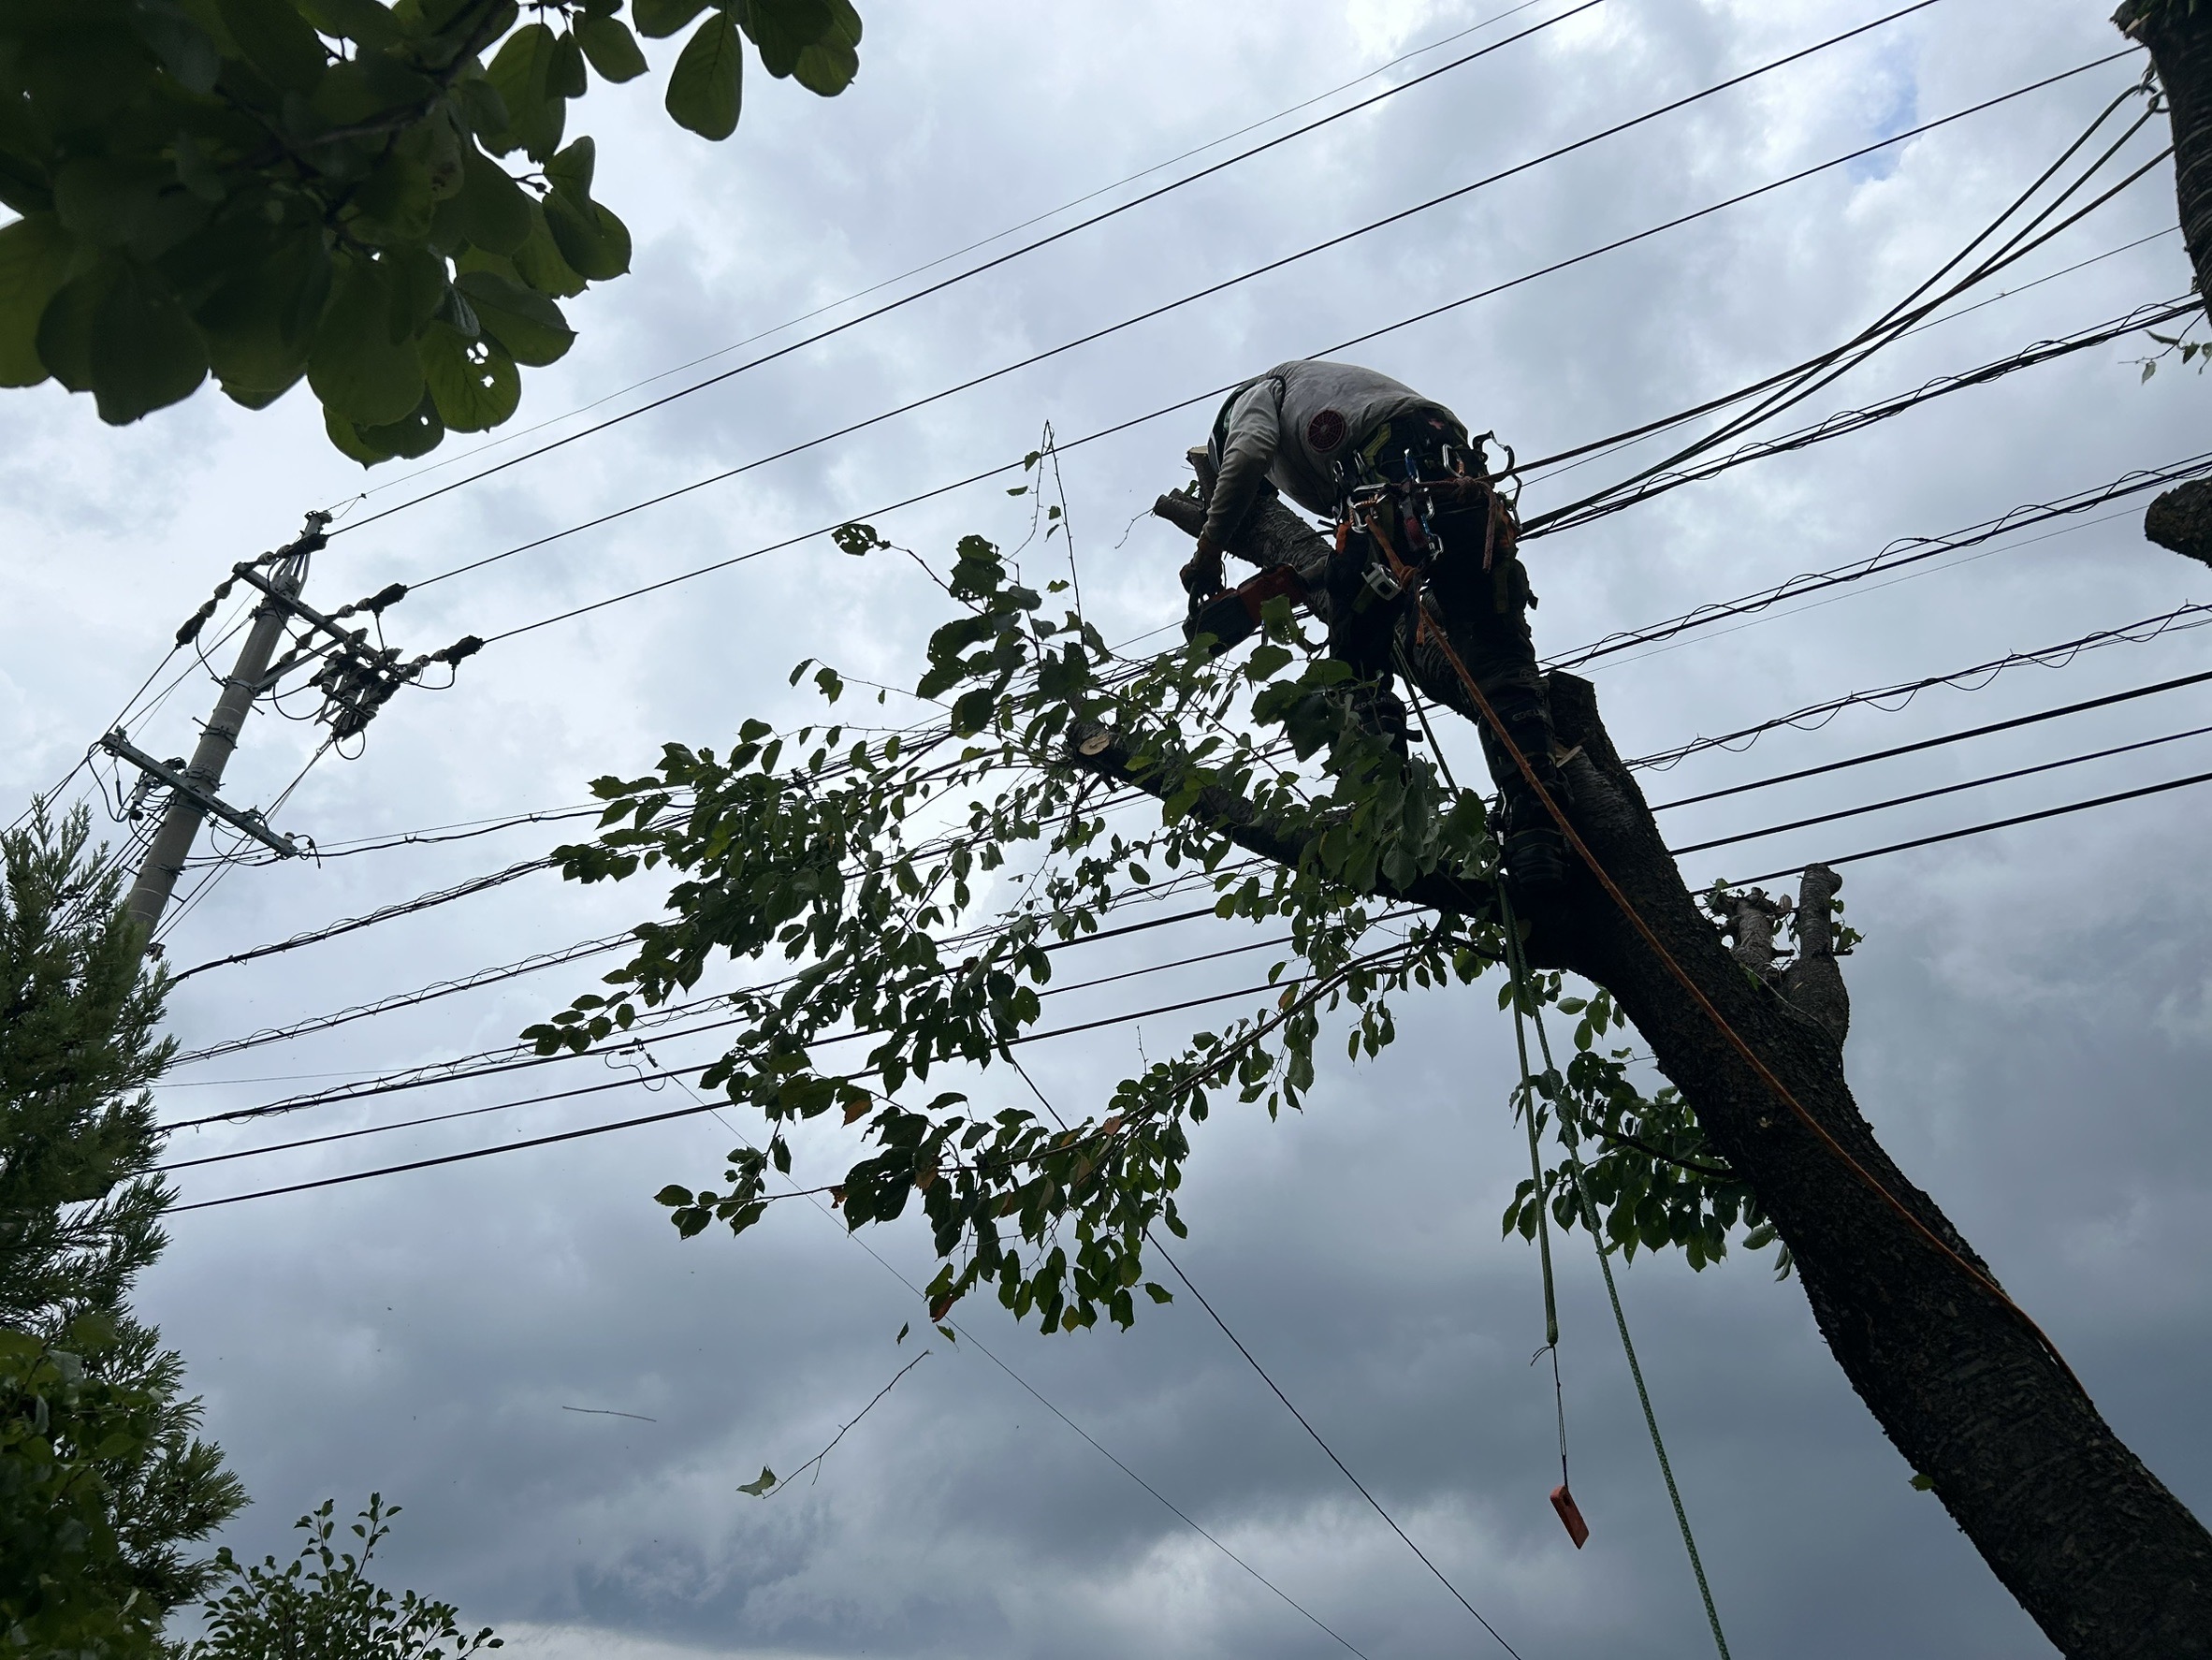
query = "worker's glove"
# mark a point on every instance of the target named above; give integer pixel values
(1202, 577)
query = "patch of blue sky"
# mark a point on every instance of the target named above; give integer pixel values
(1895, 75)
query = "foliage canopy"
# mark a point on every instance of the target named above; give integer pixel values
(322, 1605)
(263, 190)
(919, 886)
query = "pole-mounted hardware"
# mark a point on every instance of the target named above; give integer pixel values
(176, 775)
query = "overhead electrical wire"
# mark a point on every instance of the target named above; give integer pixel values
(1931, 794)
(675, 492)
(1905, 551)
(408, 1000)
(1853, 420)
(1208, 395)
(522, 1057)
(1006, 258)
(476, 885)
(1024, 1038)
(1983, 829)
(2179, 619)
(1383, 68)
(1933, 743)
(1778, 392)
(1991, 826)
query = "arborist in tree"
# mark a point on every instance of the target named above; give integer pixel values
(1423, 541)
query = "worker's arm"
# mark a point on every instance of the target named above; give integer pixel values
(1248, 450)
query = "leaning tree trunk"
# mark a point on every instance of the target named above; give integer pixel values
(2179, 34)
(2098, 1552)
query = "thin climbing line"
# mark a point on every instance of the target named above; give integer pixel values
(1519, 970)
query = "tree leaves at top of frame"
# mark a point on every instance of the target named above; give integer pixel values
(279, 189)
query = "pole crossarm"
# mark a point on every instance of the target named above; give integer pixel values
(245, 820)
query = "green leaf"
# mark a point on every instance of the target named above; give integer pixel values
(706, 86)
(782, 29)
(829, 65)
(493, 211)
(362, 20)
(592, 239)
(564, 75)
(417, 434)
(538, 261)
(395, 202)
(759, 1488)
(106, 201)
(529, 325)
(355, 366)
(34, 258)
(473, 382)
(659, 19)
(259, 323)
(119, 332)
(276, 40)
(613, 49)
(522, 75)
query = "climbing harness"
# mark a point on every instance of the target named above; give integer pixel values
(1563, 1500)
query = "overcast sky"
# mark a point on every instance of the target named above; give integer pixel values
(2034, 1017)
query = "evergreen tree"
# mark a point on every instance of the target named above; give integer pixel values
(104, 1483)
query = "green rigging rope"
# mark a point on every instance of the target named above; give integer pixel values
(1574, 1165)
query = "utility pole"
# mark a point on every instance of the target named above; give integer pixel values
(192, 790)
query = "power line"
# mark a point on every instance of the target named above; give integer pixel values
(1582, 455)
(1023, 1038)
(1015, 253)
(2048, 812)
(1219, 288)
(808, 317)
(1026, 1038)
(444, 989)
(1276, 1389)
(1853, 420)
(1931, 743)
(794, 1191)
(934, 491)
(1345, 1469)
(2179, 619)
(1995, 778)
(518, 1058)
(1794, 385)
(476, 885)
(1905, 551)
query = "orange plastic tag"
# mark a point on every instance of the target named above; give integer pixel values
(1570, 1515)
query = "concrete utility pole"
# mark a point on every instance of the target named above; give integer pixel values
(192, 792)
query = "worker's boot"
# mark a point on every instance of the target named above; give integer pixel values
(1532, 850)
(1381, 713)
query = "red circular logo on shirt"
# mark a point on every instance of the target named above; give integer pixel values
(1325, 432)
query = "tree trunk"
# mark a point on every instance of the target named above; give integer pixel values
(2098, 1552)
(2179, 34)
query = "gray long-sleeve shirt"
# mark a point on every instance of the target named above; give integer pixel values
(1291, 425)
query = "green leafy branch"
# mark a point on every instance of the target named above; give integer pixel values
(267, 190)
(918, 890)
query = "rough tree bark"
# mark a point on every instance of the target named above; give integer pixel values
(2179, 34)
(2105, 1560)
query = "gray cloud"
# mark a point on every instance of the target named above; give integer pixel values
(2032, 1008)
